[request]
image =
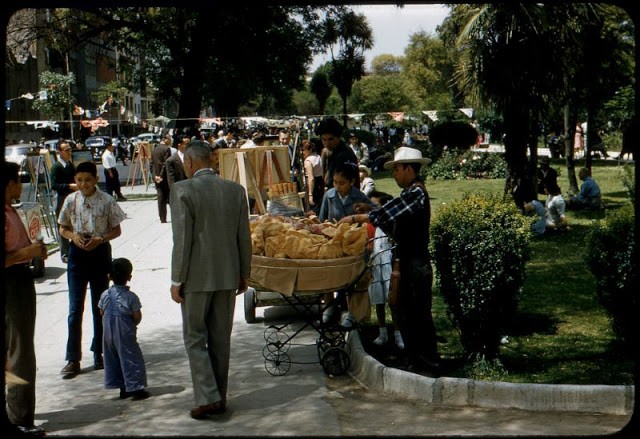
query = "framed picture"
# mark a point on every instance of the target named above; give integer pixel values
(81, 155)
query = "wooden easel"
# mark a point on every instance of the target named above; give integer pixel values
(143, 154)
(243, 174)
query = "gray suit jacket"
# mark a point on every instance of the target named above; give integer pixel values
(211, 237)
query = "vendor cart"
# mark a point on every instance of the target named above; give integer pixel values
(302, 284)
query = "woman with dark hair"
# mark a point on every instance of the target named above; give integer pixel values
(555, 207)
(339, 201)
(313, 174)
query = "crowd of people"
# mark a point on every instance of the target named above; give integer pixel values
(551, 213)
(339, 187)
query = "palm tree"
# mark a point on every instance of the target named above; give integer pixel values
(348, 34)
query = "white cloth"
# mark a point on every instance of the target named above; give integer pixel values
(380, 268)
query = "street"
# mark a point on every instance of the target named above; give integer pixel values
(303, 402)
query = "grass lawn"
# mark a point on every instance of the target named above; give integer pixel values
(560, 335)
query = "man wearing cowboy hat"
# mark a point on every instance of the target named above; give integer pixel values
(406, 220)
(367, 185)
(546, 174)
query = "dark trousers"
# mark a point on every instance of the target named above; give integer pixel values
(112, 184)
(414, 309)
(86, 268)
(20, 322)
(162, 191)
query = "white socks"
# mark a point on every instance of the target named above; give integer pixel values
(382, 337)
(398, 338)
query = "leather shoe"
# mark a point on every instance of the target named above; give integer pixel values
(98, 362)
(137, 395)
(203, 411)
(33, 430)
(71, 369)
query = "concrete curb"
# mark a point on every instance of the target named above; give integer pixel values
(446, 391)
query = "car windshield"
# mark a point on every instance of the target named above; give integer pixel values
(16, 150)
(94, 142)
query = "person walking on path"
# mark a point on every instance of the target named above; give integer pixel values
(62, 181)
(211, 259)
(19, 295)
(111, 176)
(406, 219)
(89, 218)
(158, 158)
(124, 367)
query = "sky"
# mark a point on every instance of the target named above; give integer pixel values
(392, 27)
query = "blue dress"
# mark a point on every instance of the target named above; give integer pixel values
(123, 362)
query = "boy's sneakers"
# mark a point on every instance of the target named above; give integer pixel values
(348, 320)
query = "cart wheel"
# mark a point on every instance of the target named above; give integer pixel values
(334, 337)
(250, 305)
(277, 363)
(335, 361)
(278, 341)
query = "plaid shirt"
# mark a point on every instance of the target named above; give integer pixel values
(411, 200)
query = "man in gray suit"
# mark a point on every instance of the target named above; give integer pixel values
(211, 260)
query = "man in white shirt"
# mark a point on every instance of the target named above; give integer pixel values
(112, 179)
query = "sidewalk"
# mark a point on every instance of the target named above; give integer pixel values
(304, 402)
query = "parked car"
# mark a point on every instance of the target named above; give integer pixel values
(148, 137)
(18, 154)
(97, 145)
(52, 145)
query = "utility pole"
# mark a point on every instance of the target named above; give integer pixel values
(69, 93)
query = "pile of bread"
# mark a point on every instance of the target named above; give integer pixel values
(305, 238)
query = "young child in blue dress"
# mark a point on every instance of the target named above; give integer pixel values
(124, 367)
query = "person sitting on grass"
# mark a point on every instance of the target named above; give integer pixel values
(589, 196)
(555, 207)
(535, 207)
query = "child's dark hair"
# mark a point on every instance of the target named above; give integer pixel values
(347, 169)
(10, 172)
(89, 167)
(382, 196)
(121, 270)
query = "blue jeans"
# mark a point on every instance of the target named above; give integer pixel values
(86, 268)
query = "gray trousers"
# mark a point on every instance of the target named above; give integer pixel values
(207, 321)
(20, 322)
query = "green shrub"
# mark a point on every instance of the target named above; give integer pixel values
(480, 246)
(610, 253)
(628, 181)
(453, 165)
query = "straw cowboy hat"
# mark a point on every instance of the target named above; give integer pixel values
(365, 169)
(404, 154)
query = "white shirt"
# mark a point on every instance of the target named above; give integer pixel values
(108, 159)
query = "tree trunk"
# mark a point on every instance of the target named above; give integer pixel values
(190, 100)
(570, 121)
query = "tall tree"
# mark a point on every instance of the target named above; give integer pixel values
(225, 55)
(428, 64)
(347, 35)
(321, 86)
